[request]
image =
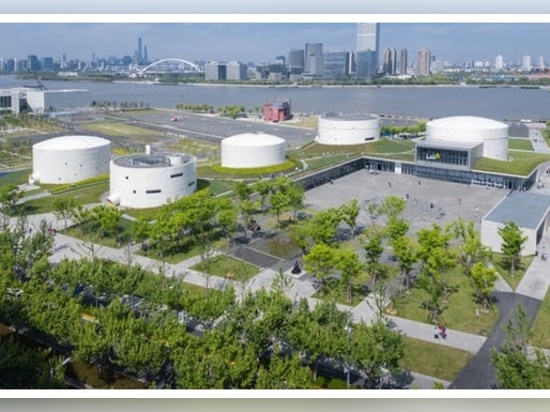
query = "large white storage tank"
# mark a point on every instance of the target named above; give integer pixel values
(493, 134)
(249, 150)
(347, 129)
(151, 179)
(69, 159)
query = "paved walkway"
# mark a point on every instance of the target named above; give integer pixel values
(477, 374)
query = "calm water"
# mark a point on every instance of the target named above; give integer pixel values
(431, 102)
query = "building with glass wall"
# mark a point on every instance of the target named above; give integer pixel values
(336, 65)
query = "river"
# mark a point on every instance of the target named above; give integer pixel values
(431, 102)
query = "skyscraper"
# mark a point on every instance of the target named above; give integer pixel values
(403, 61)
(145, 55)
(526, 63)
(366, 50)
(313, 61)
(423, 60)
(296, 61)
(389, 65)
(499, 62)
(139, 51)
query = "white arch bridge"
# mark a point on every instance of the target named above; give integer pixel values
(171, 65)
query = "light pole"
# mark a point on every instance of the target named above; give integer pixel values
(348, 332)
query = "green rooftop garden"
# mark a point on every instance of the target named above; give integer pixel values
(520, 163)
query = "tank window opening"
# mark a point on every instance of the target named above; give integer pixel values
(126, 177)
(153, 191)
(176, 175)
(190, 184)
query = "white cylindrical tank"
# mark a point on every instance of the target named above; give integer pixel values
(69, 159)
(249, 150)
(340, 129)
(150, 180)
(493, 134)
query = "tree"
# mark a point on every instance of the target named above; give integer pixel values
(515, 369)
(512, 243)
(372, 244)
(347, 262)
(295, 195)
(243, 190)
(484, 279)
(320, 260)
(405, 252)
(300, 233)
(263, 187)
(64, 208)
(471, 248)
(376, 349)
(284, 373)
(437, 259)
(392, 206)
(9, 196)
(324, 226)
(279, 203)
(349, 213)
(396, 228)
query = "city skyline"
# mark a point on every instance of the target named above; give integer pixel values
(262, 42)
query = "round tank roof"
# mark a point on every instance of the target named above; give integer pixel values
(466, 128)
(253, 139)
(72, 142)
(467, 122)
(349, 116)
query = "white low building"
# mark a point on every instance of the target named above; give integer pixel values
(529, 211)
(491, 135)
(47, 101)
(340, 129)
(251, 150)
(149, 180)
(69, 159)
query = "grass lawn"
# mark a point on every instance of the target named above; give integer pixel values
(119, 129)
(520, 144)
(82, 195)
(432, 359)
(459, 311)
(311, 122)
(183, 254)
(14, 178)
(334, 291)
(324, 161)
(521, 163)
(197, 147)
(124, 235)
(227, 267)
(540, 333)
(513, 281)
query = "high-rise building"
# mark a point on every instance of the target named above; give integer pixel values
(366, 50)
(313, 59)
(526, 63)
(541, 65)
(336, 65)
(423, 61)
(499, 62)
(389, 62)
(145, 55)
(140, 51)
(235, 70)
(296, 61)
(403, 61)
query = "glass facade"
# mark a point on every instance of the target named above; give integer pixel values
(336, 65)
(443, 156)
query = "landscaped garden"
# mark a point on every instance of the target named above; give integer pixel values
(227, 267)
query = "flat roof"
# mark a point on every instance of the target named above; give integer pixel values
(153, 160)
(525, 209)
(446, 144)
(349, 116)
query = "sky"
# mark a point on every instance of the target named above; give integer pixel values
(262, 42)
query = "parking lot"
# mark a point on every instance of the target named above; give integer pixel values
(429, 201)
(215, 128)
